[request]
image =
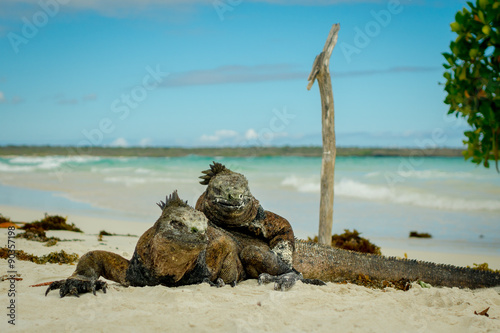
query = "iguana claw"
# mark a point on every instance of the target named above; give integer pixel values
(282, 282)
(76, 286)
(286, 281)
(217, 283)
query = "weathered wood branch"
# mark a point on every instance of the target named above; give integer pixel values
(321, 72)
(322, 60)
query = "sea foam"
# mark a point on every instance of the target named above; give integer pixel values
(350, 188)
(26, 163)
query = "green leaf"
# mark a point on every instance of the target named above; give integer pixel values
(455, 27)
(449, 58)
(463, 74)
(483, 3)
(480, 14)
(486, 30)
(472, 74)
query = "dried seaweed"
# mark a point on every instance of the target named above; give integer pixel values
(37, 234)
(6, 222)
(484, 267)
(415, 234)
(4, 219)
(351, 240)
(106, 233)
(8, 277)
(52, 222)
(60, 257)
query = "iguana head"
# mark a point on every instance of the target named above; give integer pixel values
(228, 199)
(178, 238)
(179, 221)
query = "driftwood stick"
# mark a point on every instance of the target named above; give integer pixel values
(321, 72)
(42, 284)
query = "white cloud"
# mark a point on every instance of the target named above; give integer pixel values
(145, 142)
(219, 135)
(113, 7)
(119, 142)
(2, 97)
(236, 74)
(173, 9)
(251, 134)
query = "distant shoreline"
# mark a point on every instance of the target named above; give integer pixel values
(309, 151)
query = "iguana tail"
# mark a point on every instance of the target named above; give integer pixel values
(316, 261)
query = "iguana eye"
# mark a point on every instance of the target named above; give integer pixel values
(176, 224)
(241, 196)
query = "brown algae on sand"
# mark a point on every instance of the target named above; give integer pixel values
(60, 257)
(351, 240)
(52, 222)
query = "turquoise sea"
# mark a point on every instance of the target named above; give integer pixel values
(383, 197)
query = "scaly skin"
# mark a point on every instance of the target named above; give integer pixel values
(179, 249)
(265, 239)
(337, 265)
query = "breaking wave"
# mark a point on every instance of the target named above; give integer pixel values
(302, 184)
(25, 163)
(132, 181)
(409, 196)
(428, 174)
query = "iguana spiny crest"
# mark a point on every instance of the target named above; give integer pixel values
(180, 221)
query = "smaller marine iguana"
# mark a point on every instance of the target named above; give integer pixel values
(179, 249)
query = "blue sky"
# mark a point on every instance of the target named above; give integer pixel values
(222, 72)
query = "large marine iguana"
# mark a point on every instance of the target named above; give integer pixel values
(179, 249)
(229, 204)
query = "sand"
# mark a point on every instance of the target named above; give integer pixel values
(246, 308)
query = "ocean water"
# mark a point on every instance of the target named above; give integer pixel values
(383, 197)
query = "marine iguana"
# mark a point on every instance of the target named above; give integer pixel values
(229, 204)
(179, 249)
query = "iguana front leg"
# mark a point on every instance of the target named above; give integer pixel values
(75, 285)
(278, 234)
(286, 281)
(91, 266)
(260, 259)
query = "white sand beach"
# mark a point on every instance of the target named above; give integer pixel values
(247, 307)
